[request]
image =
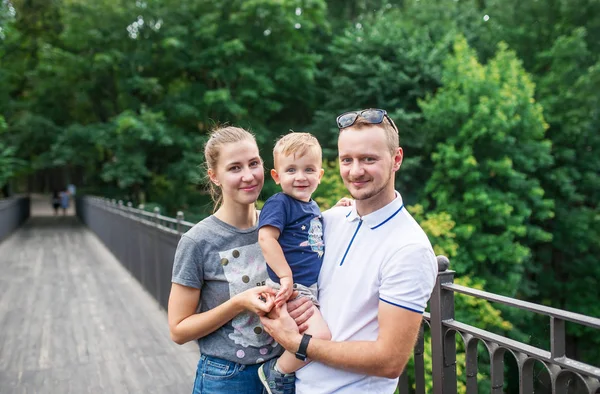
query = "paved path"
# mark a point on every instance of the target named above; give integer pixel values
(73, 320)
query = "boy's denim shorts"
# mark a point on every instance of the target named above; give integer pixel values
(303, 291)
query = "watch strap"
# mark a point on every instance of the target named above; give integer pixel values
(301, 353)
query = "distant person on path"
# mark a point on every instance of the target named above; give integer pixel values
(219, 273)
(64, 201)
(55, 201)
(377, 275)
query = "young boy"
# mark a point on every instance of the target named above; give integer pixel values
(291, 239)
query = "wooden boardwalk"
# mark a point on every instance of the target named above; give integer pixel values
(72, 319)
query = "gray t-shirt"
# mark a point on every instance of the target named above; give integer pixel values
(222, 261)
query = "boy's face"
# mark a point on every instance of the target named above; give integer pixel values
(298, 176)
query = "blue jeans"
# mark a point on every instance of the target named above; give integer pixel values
(215, 375)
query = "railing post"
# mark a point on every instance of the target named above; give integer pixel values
(557, 337)
(156, 279)
(420, 362)
(179, 220)
(130, 208)
(156, 213)
(443, 352)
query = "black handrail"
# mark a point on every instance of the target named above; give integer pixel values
(13, 213)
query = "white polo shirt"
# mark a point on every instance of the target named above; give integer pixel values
(382, 256)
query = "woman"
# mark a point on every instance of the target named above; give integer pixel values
(64, 200)
(219, 270)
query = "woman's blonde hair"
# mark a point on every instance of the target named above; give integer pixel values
(217, 138)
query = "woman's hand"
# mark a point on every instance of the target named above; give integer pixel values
(286, 287)
(259, 300)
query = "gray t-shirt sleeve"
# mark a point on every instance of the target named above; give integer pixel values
(187, 266)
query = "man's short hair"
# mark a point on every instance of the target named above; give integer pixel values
(391, 135)
(297, 144)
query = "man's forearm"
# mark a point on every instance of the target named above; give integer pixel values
(364, 357)
(386, 356)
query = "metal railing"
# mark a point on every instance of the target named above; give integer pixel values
(13, 212)
(145, 243)
(565, 374)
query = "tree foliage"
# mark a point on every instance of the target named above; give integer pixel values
(9, 163)
(570, 96)
(488, 144)
(331, 188)
(378, 62)
(138, 92)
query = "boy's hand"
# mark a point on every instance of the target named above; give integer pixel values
(345, 202)
(269, 300)
(286, 287)
(259, 300)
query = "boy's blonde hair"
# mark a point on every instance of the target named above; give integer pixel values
(297, 144)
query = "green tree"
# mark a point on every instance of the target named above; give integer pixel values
(557, 41)
(380, 63)
(532, 27)
(9, 163)
(390, 58)
(489, 144)
(566, 273)
(332, 188)
(440, 228)
(27, 26)
(130, 99)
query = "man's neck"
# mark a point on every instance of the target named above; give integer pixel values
(378, 201)
(241, 216)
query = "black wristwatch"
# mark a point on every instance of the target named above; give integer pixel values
(301, 353)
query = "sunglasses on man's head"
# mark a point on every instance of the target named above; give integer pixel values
(371, 115)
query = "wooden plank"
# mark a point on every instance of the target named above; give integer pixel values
(73, 320)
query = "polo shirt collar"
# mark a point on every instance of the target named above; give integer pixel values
(379, 217)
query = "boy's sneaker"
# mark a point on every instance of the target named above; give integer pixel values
(276, 382)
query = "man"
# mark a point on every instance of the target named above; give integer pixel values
(378, 272)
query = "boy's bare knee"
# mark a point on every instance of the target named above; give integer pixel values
(326, 336)
(318, 326)
(323, 334)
